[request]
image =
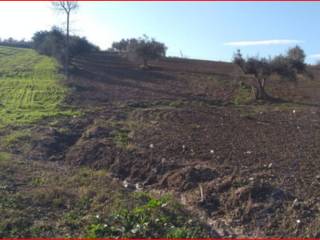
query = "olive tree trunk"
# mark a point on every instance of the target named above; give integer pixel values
(260, 92)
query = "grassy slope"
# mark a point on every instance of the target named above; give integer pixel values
(29, 87)
(41, 199)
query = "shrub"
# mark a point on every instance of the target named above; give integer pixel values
(52, 43)
(10, 42)
(296, 58)
(80, 46)
(144, 49)
(151, 218)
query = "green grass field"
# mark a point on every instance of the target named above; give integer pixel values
(29, 87)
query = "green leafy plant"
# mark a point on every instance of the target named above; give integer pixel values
(152, 217)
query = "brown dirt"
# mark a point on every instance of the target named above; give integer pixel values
(252, 170)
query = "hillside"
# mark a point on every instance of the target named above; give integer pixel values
(50, 198)
(184, 129)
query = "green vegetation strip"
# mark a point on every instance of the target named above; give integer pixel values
(29, 87)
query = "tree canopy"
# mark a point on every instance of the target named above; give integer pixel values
(143, 48)
(287, 66)
(52, 43)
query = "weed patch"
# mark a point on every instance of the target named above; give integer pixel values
(4, 156)
(243, 95)
(149, 217)
(15, 136)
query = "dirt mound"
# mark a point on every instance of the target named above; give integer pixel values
(188, 177)
(92, 153)
(50, 143)
(254, 204)
(261, 192)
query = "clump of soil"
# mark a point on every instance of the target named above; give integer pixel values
(188, 177)
(254, 204)
(50, 144)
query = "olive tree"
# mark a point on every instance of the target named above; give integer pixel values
(144, 48)
(296, 58)
(149, 49)
(287, 66)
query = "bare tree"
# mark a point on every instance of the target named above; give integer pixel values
(67, 7)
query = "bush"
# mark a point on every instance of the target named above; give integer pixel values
(151, 218)
(282, 66)
(124, 45)
(10, 42)
(52, 43)
(296, 58)
(80, 46)
(144, 49)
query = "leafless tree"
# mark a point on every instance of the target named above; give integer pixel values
(67, 7)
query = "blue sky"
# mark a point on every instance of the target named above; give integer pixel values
(204, 30)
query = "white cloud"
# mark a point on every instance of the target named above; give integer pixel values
(314, 56)
(263, 42)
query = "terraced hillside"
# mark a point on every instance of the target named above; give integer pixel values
(181, 135)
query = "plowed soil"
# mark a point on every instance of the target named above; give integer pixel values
(247, 169)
